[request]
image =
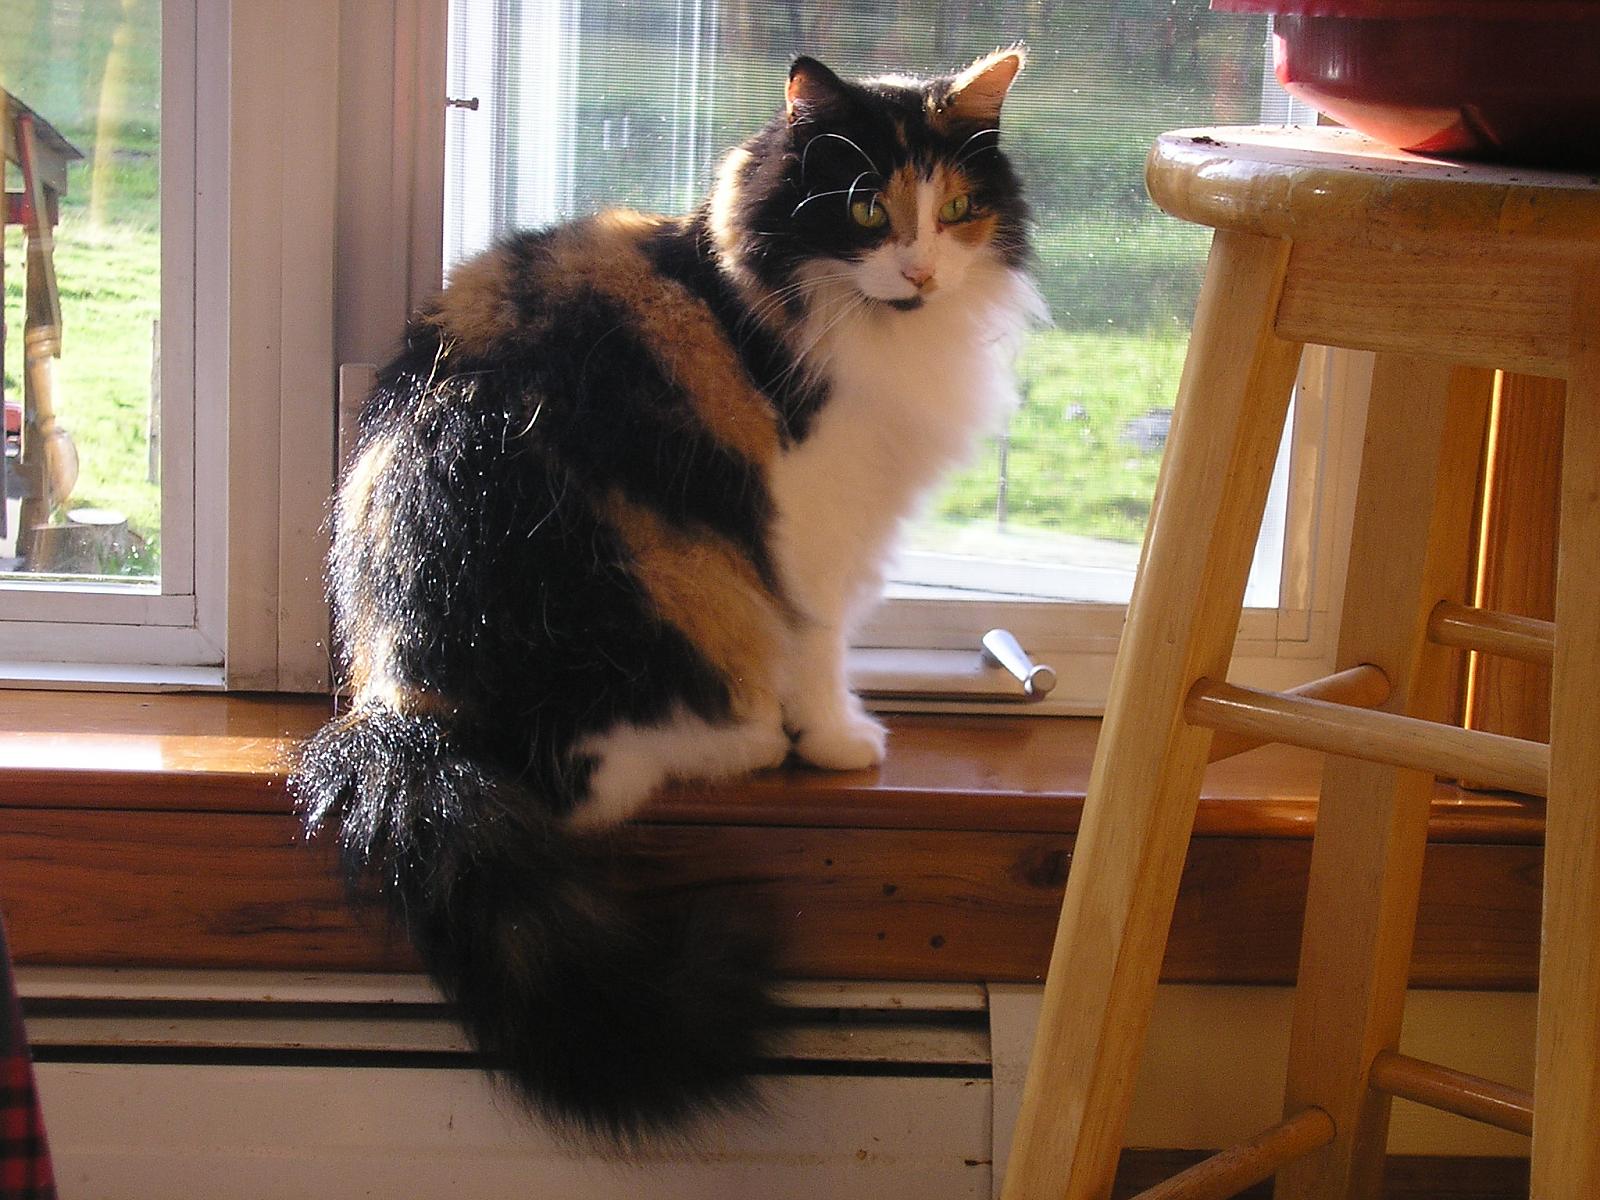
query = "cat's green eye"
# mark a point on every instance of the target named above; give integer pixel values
(869, 214)
(957, 208)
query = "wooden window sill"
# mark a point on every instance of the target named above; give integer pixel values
(155, 831)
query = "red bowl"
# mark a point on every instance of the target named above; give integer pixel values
(1456, 78)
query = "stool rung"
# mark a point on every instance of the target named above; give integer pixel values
(1453, 1091)
(1230, 1171)
(1485, 758)
(1361, 687)
(1522, 638)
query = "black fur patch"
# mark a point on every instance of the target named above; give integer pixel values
(496, 582)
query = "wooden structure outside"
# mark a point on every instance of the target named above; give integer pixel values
(47, 465)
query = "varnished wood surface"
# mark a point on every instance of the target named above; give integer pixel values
(226, 753)
(1495, 306)
(154, 830)
(243, 890)
(1518, 573)
(1409, 549)
(1438, 1086)
(1229, 1172)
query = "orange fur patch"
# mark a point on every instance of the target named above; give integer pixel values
(688, 342)
(475, 310)
(975, 231)
(702, 586)
(360, 480)
(900, 198)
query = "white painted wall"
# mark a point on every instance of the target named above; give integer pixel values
(230, 1133)
(1212, 1075)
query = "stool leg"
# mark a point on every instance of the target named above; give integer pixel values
(1410, 548)
(1182, 622)
(1566, 1121)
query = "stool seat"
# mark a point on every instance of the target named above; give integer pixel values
(1390, 251)
(1339, 185)
(1448, 272)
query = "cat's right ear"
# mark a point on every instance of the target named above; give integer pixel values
(812, 89)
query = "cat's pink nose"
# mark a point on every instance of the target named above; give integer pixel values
(917, 276)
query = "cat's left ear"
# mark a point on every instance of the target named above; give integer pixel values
(812, 89)
(975, 95)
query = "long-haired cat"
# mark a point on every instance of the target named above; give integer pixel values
(618, 504)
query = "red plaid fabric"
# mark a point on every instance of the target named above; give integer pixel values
(25, 1172)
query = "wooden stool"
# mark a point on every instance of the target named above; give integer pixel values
(1323, 236)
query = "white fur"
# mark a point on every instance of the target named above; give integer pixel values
(634, 760)
(910, 395)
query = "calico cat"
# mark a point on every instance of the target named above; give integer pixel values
(617, 506)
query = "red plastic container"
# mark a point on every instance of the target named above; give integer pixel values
(1510, 80)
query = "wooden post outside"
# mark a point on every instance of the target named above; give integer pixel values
(49, 463)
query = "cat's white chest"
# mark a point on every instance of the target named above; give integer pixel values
(910, 395)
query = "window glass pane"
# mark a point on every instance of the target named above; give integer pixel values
(584, 105)
(81, 118)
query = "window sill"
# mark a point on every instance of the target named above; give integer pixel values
(155, 831)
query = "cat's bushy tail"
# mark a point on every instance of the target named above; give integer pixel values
(616, 1022)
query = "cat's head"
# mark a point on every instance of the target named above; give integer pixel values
(895, 188)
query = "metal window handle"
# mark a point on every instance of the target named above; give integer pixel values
(1003, 650)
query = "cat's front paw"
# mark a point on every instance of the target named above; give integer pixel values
(850, 743)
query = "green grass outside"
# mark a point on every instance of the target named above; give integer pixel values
(70, 63)
(1074, 460)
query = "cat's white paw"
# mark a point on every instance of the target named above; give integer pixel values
(851, 742)
(769, 747)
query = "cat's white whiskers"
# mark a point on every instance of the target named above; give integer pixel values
(781, 296)
(532, 420)
(850, 199)
(801, 287)
(841, 137)
(804, 355)
(963, 155)
(849, 191)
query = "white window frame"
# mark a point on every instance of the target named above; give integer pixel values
(248, 152)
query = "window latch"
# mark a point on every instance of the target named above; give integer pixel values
(1001, 648)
